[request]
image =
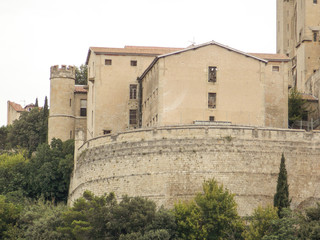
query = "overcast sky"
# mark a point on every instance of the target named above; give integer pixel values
(36, 34)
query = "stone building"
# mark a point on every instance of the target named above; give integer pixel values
(213, 82)
(134, 87)
(14, 111)
(112, 86)
(68, 105)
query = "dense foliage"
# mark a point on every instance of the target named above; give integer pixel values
(29, 131)
(211, 215)
(297, 107)
(46, 173)
(81, 75)
(94, 217)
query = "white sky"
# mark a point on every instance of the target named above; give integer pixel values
(36, 34)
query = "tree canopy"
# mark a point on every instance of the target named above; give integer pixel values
(211, 215)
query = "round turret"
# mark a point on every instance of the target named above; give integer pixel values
(61, 117)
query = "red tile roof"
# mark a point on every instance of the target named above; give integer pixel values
(16, 106)
(80, 89)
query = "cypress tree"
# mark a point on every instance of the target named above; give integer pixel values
(281, 198)
(36, 104)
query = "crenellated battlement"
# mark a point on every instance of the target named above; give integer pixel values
(62, 72)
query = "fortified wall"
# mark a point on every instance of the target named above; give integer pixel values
(166, 164)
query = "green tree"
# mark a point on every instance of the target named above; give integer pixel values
(285, 227)
(212, 215)
(3, 137)
(88, 217)
(296, 106)
(310, 224)
(281, 198)
(28, 131)
(81, 75)
(38, 220)
(9, 214)
(13, 174)
(102, 217)
(260, 222)
(50, 170)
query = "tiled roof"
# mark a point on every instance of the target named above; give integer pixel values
(308, 97)
(131, 50)
(135, 50)
(80, 89)
(16, 106)
(272, 57)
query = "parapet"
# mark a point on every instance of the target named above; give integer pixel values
(62, 72)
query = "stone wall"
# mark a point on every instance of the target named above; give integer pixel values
(170, 163)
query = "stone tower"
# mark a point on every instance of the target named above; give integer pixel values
(298, 36)
(61, 117)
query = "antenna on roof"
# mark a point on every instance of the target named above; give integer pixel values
(193, 42)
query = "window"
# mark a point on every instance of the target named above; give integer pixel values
(107, 62)
(133, 117)
(211, 118)
(70, 102)
(315, 36)
(133, 91)
(83, 107)
(212, 74)
(275, 68)
(315, 1)
(212, 100)
(133, 63)
(106, 132)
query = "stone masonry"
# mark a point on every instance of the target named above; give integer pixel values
(168, 164)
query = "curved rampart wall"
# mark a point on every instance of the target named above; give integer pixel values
(170, 163)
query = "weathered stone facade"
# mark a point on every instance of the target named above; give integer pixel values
(166, 164)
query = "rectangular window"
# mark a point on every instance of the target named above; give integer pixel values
(211, 118)
(107, 62)
(315, 36)
(212, 74)
(133, 63)
(133, 117)
(212, 100)
(315, 1)
(106, 132)
(83, 107)
(133, 91)
(275, 68)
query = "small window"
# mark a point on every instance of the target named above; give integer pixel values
(315, 36)
(83, 107)
(211, 118)
(133, 63)
(212, 100)
(133, 117)
(315, 1)
(275, 68)
(212, 75)
(133, 91)
(107, 62)
(106, 132)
